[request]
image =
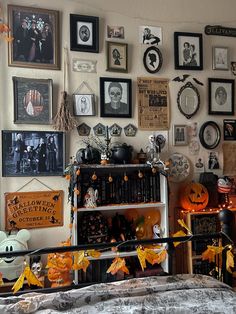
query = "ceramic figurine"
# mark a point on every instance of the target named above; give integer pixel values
(90, 198)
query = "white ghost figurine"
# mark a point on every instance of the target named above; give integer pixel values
(90, 198)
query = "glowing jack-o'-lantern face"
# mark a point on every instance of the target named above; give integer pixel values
(195, 197)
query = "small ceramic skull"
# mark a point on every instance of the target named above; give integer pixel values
(36, 268)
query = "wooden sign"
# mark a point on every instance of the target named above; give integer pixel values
(219, 30)
(38, 209)
(153, 103)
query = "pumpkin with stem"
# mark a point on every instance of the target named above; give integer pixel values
(194, 197)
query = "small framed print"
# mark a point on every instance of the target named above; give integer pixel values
(84, 104)
(229, 130)
(117, 57)
(220, 58)
(180, 135)
(221, 96)
(115, 32)
(210, 135)
(188, 51)
(32, 100)
(152, 59)
(84, 33)
(150, 35)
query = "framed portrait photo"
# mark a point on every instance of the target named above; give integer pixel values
(115, 97)
(188, 51)
(36, 38)
(84, 104)
(32, 100)
(33, 153)
(221, 96)
(210, 135)
(84, 33)
(220, 58)
(117, 57)
(180, 135)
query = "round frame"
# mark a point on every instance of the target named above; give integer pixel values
(188, 104)
(152, 59)
(210, 135)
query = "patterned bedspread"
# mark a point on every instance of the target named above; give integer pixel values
(171, 294)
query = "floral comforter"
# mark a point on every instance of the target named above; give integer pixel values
(171, 294)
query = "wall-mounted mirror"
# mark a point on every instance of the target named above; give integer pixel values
(188, 100)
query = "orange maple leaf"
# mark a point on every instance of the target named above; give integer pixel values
(118, 264)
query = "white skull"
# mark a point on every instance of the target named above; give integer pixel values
(37, 268)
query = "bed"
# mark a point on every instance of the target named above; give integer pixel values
(158, 294)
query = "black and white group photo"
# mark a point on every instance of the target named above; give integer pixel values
(37, 153)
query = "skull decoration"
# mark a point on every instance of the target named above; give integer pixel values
(11, 267)
(37, 266)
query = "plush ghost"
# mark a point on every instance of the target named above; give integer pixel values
(11, 267)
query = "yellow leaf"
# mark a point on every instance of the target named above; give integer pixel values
(19, 283)
(124, 269)
(31, 278)
(229, 261)
(94, 253)
(142, 257)
(117, 264)
(183, 224)
(78, 257)
(161, 256)
(217, 249)
(82, 265)
(151, 256)
(209, 255)
(179, 233)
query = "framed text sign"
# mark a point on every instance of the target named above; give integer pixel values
(40, 209)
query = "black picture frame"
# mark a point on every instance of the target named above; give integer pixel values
(36, 38)
(84, 33)
(221, 96)
(210, 135)
(32, 100)
(229, 129)
(117, 56)
(121, 86)
(33, 153)
(152, 59)
(188, 49)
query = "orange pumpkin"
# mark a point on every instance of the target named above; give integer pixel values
(194, 197)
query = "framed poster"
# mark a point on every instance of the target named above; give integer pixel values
(221, 96)
(32, 100)
(41, 209)
(229, 128)
(153, 103)
(36, 38)
(84, 33)
(33, 153)
(116, 97)
(188, 51)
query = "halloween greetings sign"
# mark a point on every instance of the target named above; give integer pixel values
(34, 209)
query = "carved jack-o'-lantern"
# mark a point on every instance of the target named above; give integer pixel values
(194, 197)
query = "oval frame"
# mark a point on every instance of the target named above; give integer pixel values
(159, 63)
(197, 106)
(202, 134)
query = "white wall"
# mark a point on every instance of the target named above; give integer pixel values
(171, 15)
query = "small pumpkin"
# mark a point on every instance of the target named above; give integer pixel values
(194, 197)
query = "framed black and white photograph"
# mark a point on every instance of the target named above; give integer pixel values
(199, 164)
(213, 160)
(32, 100)
(84, 104)
(188, 51)
(180, 135)
(33, 153)
(210, 135)
(220, 58)
(152, 59)
(221, 96)
(36, 38)
(115, 97)
(229, 128)
(117, 32)
(84, 33)
(150, 35)
(117, 57)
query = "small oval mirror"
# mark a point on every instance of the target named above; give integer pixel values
(188, 100)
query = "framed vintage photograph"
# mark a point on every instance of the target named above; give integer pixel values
(220, 58)
(84, 104)
(115, 97)
(33, 153)
(209, 135)
(32, 100)
(152, 59)
(117, 32)
(36, 38)
(221, 96)
(188, 51)
(150, 35)
(229, 128)
(117, 57)
(84, 33)
(180, 135)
